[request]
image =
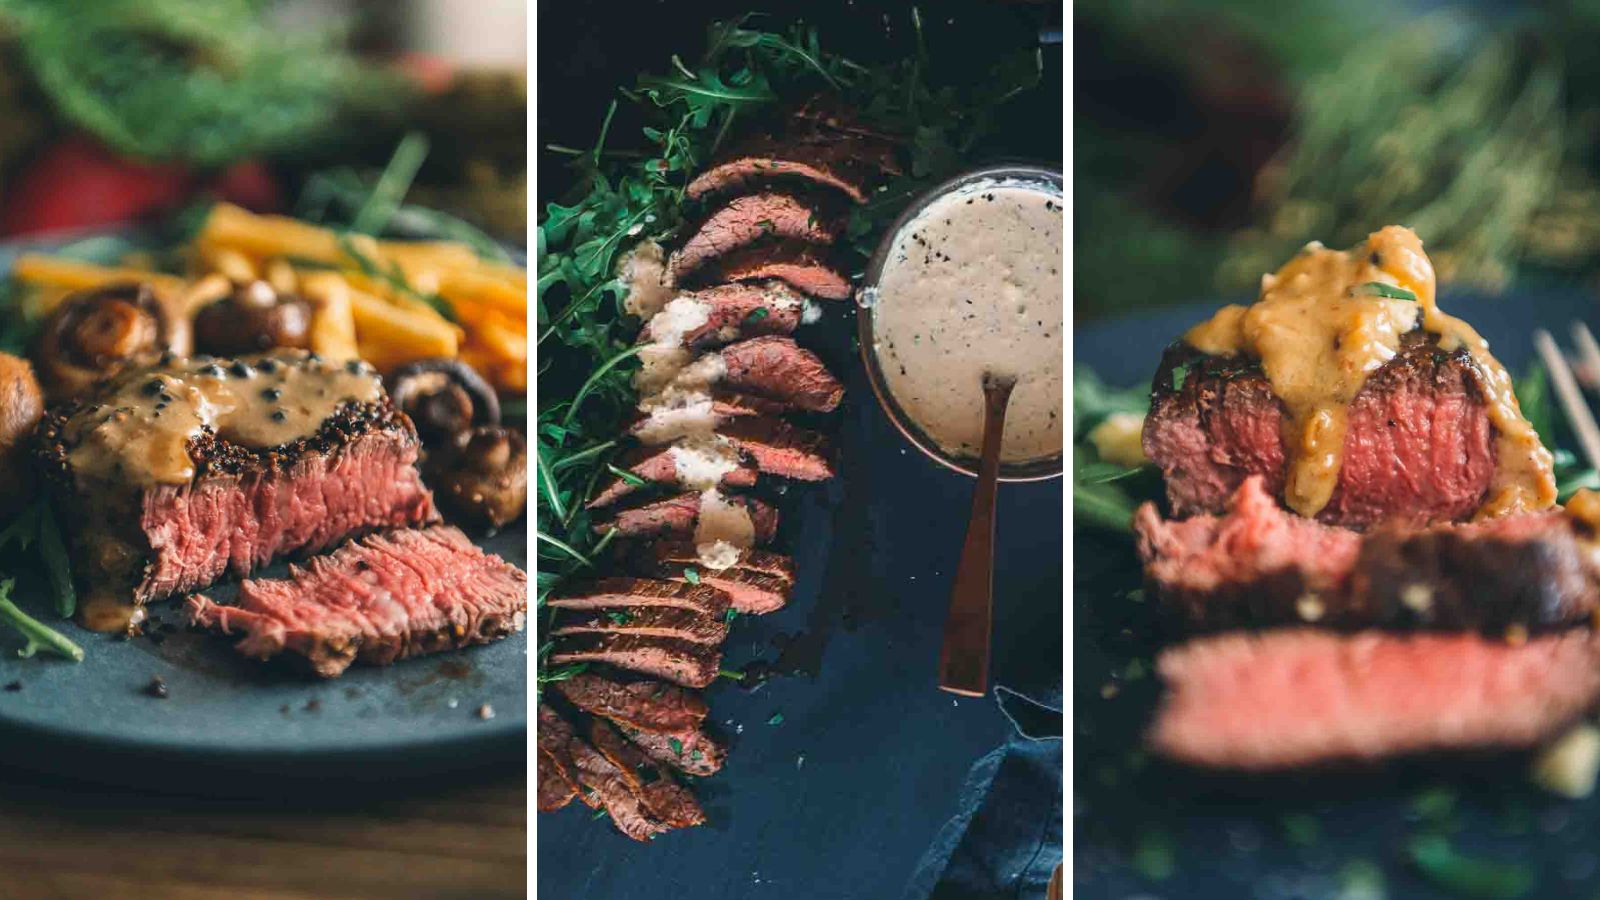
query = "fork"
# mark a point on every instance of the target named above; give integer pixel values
(1565, 378)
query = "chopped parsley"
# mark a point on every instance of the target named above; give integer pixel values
(777, 719)
(691, 575)
(1379, 289)
(676, 745)
(756, 315)
(1180, 374)
(619, 617)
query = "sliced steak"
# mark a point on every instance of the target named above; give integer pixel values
(779, 368)
(644, 705)
(1298, 697)
(554, 790)
(243, 507)
(676, 516)
(657, 465)
(736, 311)
(682, 554)
(1418, 446)
(751, 592)
(601, 777)
(667, 799)
(618, 593)
(696, 413)
(648, 621)
(554, 750)
(781, 449)
(375, 600)
(802, 266)
(693, 752)
(1262, 565)
(753, 217)
(849, 163)
(680, 662)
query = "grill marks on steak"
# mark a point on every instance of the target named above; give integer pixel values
(733, 313)
(1418, 448)
(802, 266)
(778, 368)
(245, 507)
(682, 624)
(676, 516)
(1297, 697)
(639, 705)
(375, 600)
(615, 592)
(680, 662)
(751, 218)
(1262, 565)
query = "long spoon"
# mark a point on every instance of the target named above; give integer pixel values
(964, 658)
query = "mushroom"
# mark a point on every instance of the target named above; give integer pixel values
(253, 318)
(93, 335)
(444, 397)
(481, 478)
(21, 407)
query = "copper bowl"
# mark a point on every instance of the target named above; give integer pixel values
(1021, 174)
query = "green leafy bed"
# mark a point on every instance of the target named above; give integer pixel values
(745, 77)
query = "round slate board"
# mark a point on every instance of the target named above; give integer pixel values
(1143, 828)
(226, 716)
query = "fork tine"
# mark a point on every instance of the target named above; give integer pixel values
(1561, 378)
(1588, 369)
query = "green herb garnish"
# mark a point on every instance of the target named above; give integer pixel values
(777, 719)
(676, 745)
(756, 315)
(691, 575)
(38, 635)
(1379, 289)
(1180, 374)
(618, 617)
(1467, 876)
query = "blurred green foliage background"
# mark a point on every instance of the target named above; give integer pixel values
(1212, 139)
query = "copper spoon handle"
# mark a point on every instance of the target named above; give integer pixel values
(964, 658)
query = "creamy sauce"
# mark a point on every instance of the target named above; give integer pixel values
(138, 432)
(973, 285)
(644, 270)
(1320, 328)
(723, 530)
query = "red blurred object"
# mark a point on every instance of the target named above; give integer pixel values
(79, 183)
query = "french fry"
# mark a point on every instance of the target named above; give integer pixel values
(461, 286)
(265, 237)
(72, 275)
(333, 323)
(389, 335)
(204, 292)
(229, 263)
(282, 277)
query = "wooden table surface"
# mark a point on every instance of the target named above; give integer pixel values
(71, 840)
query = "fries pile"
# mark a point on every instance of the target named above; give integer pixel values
(387, 302)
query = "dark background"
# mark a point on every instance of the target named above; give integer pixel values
(841, 799)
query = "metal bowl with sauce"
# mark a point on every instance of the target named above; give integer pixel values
(1023, 175)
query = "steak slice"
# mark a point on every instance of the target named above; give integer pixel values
(642, 705)
(779, 368)
(753, 217)
(680, 662)
(802, 266)
(1418, 446)
(693, 752)
(1262, 565)
(616, 592)
(667, 799)
(750, 592)
(375, 600)
(692, 413)
(554, 790)
(243, 508)
(657, 465)
(735, 311)
(1297, 697)
(657, 621)
(683, 554)
(842, 161)
(781, 449)
(600, 776)
(676, 516)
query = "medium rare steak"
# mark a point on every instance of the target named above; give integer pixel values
(1262, 565)
(657, 465)
(649, 621)
(750, 592)
(693, 752)
(681, 554)
(753, 217)
(779, 368)
(781, 449)
(666, 799)
(800, 265)
(676, 516)
(243, 508)
(644, 705)
(680, 662)
(599, 776)
(375, 600)
(851, 163)
(615, 592)
(1418, 448)
(740, 310)
(1297, 697)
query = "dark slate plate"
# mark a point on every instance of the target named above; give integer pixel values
(226, 716)
(1309, 835)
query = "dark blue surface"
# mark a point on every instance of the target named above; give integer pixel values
(842, 799)
(1249, 837)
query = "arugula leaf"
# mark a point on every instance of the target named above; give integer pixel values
(38, 635)
(57, 563)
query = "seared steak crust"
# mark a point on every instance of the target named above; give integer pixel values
(803, 266)
(779, 368)
(644, 705)
(680, 662)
